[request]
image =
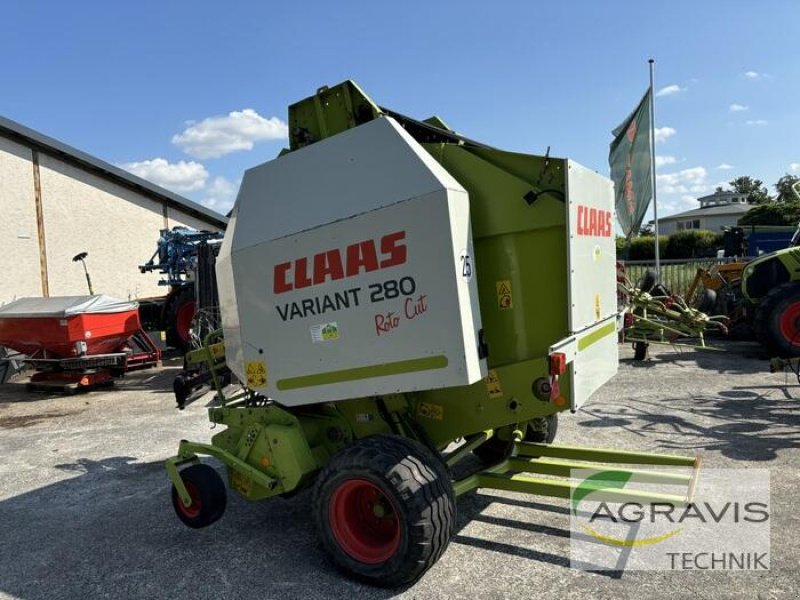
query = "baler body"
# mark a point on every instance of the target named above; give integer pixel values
(378, 260)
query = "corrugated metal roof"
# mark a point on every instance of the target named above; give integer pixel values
(47, 145)
(727, 209)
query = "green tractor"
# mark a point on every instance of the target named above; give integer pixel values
(771, 289)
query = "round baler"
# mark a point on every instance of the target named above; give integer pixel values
(389, 287)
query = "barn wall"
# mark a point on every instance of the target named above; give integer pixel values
(116, 226)
(19, 241)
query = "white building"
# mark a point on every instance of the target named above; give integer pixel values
(56, 201)
(718, 210)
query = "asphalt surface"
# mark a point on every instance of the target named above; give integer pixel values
(85, 509)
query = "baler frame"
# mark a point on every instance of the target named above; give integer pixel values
(555, 462)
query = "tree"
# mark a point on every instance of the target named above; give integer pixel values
(773, 213)
(753, 189)
(784, 188)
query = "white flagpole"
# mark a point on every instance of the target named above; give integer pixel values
(653, 163)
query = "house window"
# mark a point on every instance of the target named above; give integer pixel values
(696, 224)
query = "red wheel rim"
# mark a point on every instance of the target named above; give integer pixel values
(183, 319)
(364, 521)
(192, 511)
(790, 324)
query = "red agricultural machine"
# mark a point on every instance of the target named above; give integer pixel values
(77, 342)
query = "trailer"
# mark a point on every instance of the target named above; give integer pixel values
(396, 297)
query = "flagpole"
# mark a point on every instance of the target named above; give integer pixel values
(653, 163)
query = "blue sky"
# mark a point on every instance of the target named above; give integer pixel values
(190, 94)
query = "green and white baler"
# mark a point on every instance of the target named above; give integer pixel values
(389, 287)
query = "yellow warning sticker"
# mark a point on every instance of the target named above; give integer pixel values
(597, 307)
(241, 483)
(431, 411)
(504, 298)
(256, 373)
(493, 385)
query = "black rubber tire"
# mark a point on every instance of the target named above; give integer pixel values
(178, 303)
(419, 488)
(494, 450)
(640, 350)
(182, 390)
(204, 483)
(659, 291)
(767, 320)
(648, 281)
(707, 301)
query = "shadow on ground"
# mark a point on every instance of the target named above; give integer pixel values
(108, 530)
(725, 356)
(740, 424)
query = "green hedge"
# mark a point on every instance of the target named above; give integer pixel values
(644, 247)
(693, 243)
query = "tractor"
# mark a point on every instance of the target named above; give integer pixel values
(771, 290)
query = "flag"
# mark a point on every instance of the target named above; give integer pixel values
(630, 161)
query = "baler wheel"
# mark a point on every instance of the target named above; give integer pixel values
(494, 450)
(384, 509)
(640, 350)
(209, 497)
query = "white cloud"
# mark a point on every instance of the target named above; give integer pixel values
(755, 75)
(737, 107)
(662, 133)
(757, 122)
(219, 135)
(665, 160)
(794, 166)
(683, 182)
(725, 167)
(670, 90)
(181, 176)
(671, 206)
(220, 194)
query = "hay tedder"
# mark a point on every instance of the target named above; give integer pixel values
(396, 297)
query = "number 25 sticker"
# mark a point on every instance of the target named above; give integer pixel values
(466, 265)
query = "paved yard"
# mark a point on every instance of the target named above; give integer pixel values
(85, 511)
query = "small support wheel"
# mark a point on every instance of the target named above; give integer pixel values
(640, 350)
(384, 509)
(209, 497)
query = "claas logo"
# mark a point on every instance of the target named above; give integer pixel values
(594, 222)
(333, 265)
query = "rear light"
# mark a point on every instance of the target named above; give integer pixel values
(628, 320)
(558, 363)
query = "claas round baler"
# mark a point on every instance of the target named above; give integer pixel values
(389, 287)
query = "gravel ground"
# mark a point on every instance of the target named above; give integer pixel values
(85, 512)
